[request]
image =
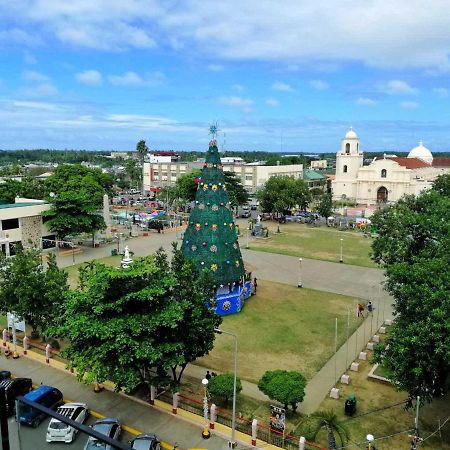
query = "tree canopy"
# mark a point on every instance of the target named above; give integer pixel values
(286, 387)
(121, 323)
(142, 149)
(186, 187)
(325, 206)
(414, 247)
(28, 290)
(281, 193)
(28, 187)
(76, 195)
(223, 385)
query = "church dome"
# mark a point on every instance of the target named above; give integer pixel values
(351, 134)
(421, 152)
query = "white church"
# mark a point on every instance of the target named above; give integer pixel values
(385, 179)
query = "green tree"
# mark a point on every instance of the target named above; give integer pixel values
(28, 187)
(142, 150)
(30, 291)
(325, 206)
(134, 173)
(328, 421)
(442, 185)
(286, 387)
(210, 239)
(414, 248)
(282, 193)
(76, 197)
(222, 386)
(123, 322)
(186, 187)
(237, 194)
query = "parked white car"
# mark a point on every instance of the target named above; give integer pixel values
(58, 431)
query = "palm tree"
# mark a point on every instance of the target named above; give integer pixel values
(329, 421)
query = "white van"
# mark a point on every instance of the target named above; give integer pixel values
(61, 432)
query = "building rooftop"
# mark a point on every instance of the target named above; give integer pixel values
(17, 205)
(409, 163)
(311, 175)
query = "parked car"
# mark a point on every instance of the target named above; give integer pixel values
(46, 396)
(253, 207)
(109, 427)
(58, 431)
(146, 442)
(245, 214)
(14, 387)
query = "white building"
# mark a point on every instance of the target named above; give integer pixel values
(156, 175)
(21, 222)
(385, 179)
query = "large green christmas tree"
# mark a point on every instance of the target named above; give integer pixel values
(211, 237)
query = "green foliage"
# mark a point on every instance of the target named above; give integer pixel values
(186, 187)
(28, 187)
(325, 206)
(275, 160)
(414, 247)
(123, 322)
(222, 386)
(134, 173)
(30, 291)
(328, 421)
(282, 193)
(76, 200)
(442, 185)
(286, 387)
(211, 240)
(142, 150)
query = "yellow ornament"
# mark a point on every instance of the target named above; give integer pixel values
(213, 267)
(214, 187)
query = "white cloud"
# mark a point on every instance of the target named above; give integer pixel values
(39, 90)
(215, 67)
(398, 87)
(272, 102)
(133, 79)
(365, 101)
(36, 105)
(442, 92)
(244, 104)
(319, 85)
(336, 31)
(28, 58)
(89, 77)
(283, 87)
(33, 76)
(238, 88)
(409, 105)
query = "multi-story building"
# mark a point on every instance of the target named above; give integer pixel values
(253, 176)
(21, 223)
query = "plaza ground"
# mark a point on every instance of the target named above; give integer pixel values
(321, 243)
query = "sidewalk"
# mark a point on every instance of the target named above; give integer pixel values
(138, 416)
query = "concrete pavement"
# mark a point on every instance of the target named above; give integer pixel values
(362, 282)
(134, 414)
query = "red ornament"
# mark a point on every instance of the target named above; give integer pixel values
(204, 244)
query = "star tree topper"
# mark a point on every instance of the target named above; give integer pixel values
(214, 130)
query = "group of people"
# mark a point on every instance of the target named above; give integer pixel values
(360, 308)
(210, 375)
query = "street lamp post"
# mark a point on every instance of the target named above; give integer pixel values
(248, 232)
(341, 260)
(300, 284)
(206, 434)
(370, 439)
(232, 441)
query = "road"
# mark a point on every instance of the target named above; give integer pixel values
(24, 437)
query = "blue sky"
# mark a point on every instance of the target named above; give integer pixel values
(277, 76)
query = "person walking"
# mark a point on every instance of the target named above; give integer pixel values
(360, 309)
(255, 284)
(208, 375)
(369, 307)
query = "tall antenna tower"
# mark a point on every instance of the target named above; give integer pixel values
(224, 141)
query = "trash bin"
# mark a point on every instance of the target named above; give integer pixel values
(350, 405)
(113, 252)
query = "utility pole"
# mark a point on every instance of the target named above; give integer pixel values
(415, 438)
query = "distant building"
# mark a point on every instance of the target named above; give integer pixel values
(315, 179)
(163, 157)
(21, 223)
(160, 174)
(123, 155)
(385, 179)
(319, 164)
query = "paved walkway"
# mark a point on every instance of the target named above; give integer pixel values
(362, 282)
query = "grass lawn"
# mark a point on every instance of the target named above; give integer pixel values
(282, 327)
(73, 270)
(316, 243)
(372, 398)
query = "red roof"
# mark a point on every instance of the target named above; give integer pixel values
(441, 161)
(409, 163)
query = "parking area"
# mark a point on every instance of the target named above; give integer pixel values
(23, 437)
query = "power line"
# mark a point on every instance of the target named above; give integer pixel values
(375, 410)
(438, 429)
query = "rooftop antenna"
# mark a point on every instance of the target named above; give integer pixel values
(224, 141)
